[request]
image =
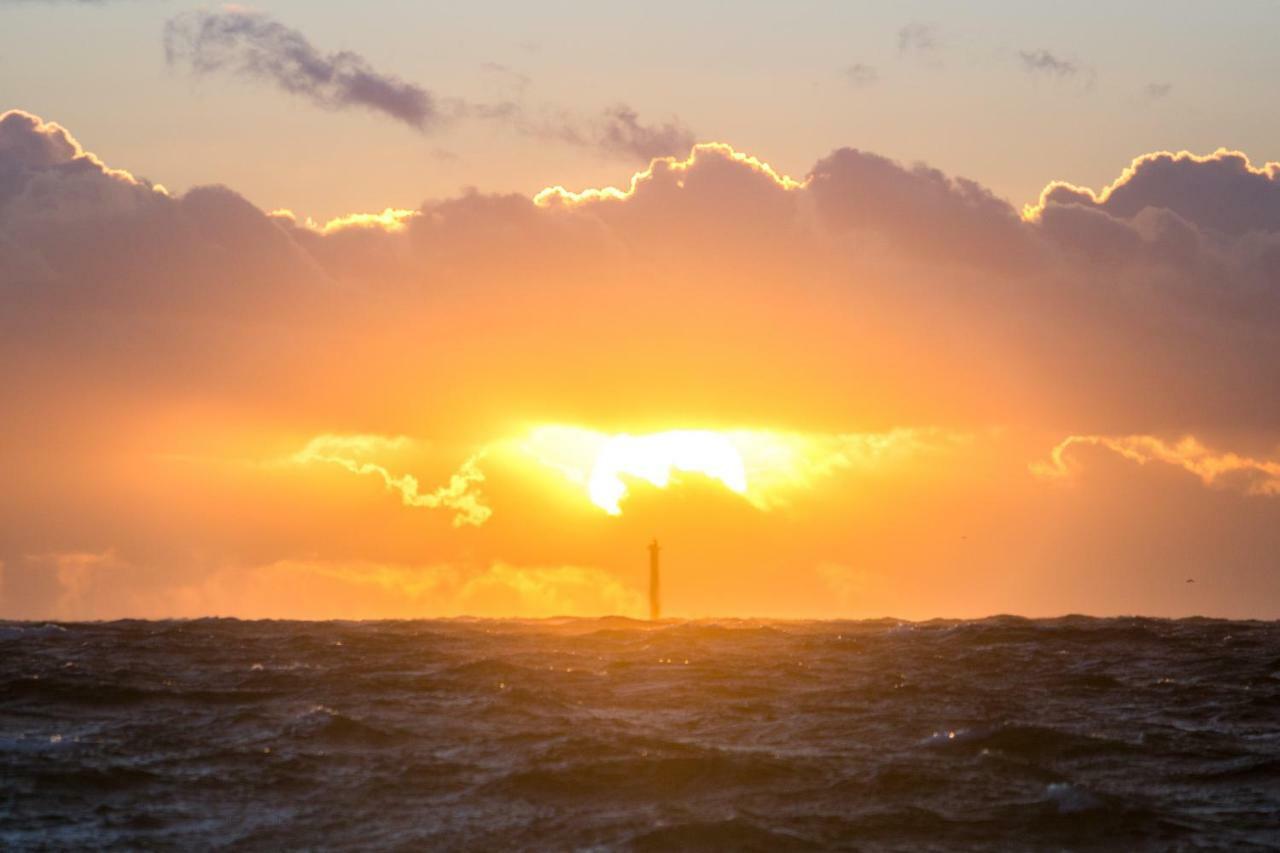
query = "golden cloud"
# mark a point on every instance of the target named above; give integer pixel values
(1213, 468)
(354, 452)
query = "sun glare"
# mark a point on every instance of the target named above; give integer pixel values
(601, 464)
(654, 458)
(764, 467)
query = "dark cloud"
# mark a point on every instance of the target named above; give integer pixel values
(253, 45)
(1170, 279)
(1044, 62)
(921, 209)
(860, 74)
(1223, 192)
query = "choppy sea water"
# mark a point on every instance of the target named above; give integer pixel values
(999, 734)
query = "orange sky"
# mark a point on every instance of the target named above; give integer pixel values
(869, 389)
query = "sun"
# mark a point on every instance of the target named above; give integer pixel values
(601, 464)
(655, 457)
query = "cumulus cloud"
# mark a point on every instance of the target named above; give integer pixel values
(917, 207)
(916, 248)
(143, 330)
(255, 46)
(1223, 191)
(29, 144)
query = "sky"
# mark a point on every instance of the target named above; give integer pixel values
(419, 310)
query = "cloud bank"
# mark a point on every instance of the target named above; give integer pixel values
(159, 347)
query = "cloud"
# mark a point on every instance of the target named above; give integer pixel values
(767, 469)
(391, 220)
(28, 143)
(918, 38)
(860, 74)
(616, 132)
(255, 46)
(353, 452)
(1043, 62)
(917, 207)
(516, 81)
(1135, 264)
(621, 131)
(159, 346)
(76, 577)
(665, 171)
(1223, 191)
(88, 585)
(1213, 468)
(506, 590)
(500, 590)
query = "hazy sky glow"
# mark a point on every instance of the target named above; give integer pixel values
(264, 357)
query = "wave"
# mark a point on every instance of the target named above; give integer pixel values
(1004, 733)
(647, 778)
(731, 834)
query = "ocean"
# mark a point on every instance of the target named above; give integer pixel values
(601, 734)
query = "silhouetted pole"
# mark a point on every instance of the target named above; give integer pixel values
(655, 602)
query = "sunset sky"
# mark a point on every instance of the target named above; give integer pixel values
(313, 310)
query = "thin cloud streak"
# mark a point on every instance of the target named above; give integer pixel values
(1043, 62)
(1251, 476)
(861, 74)
(255, 46)
(918, 37)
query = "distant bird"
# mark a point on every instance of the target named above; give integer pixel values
(1191, 580)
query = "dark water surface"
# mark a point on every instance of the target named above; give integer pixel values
(1000, 734)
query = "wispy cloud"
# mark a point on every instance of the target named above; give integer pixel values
(918, 37)
(861, 74)
(620, 130)
(353, 452)
(254, 45)
(1156, 91)
(1213, 468)
(1043, 62)
(617, 132)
